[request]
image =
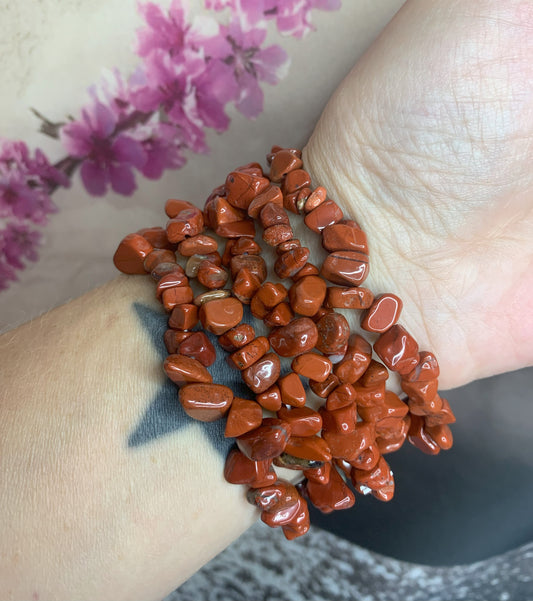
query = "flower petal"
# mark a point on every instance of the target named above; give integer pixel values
(103, 120)
(271, 64)
(94, 178)
(122, 179)
(250, 103)
(128, 150)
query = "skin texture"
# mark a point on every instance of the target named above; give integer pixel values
(428, 144)
(430, 149)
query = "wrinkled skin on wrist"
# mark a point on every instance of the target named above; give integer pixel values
(430, 150)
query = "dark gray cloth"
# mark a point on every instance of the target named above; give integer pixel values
(263, 566)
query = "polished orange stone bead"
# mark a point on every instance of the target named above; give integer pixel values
(420, 438)
(303, 421)
(297, 337)
(307, 295)
(349, 297)
(257, 308)
(241, 470)
(392, 406)
(333, 496)
(342, 396)
(339, 421)
(270, 195)
(441, 417)
(274, 497)
(178, 295)
(367, 459)
(320, 474)
(226, 256)
(163, 269)
(220, 212)
(280, 315)
(311, 365)
(429, 407)
(391, 444)
(426, 369)
(175, 207)
(276, 234)
(249, 354)
(183, 317)
(420, 392)
(379, 481)
(242, 188)
(186, 220)
(356, 360)
(441, 434)
(376, 372)
(277, 148)
(182, 370)
(284, 247)
(173, 338)
(171, 280)
(272, 294)
(265, 442)
(315, 199)
(370, 396)
(326, 213)
(131, 253)
(282, 516)
(296, 180)
(345, 267)
(397, 349)
(200, 244)
(333, 334)
(346, 235)
(273, 214)
(245, 285)
(263, 373)
(290, 262)
(211, 276)
(282, 163)
(300, 523)
(383, 313)
(220, 315)
(237, 337)
(157, 236)
(199, 347)
(253, 168)
(205, 402)
(236, 229)
(292, 390)
(307, 269)
(157, 256)
(243, 416)
(252, 263)
(245, 246)
(270, 399)
(322, 389)
(313, 448)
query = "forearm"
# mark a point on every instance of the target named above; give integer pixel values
(101, 471)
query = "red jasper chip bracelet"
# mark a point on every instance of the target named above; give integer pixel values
(331, 416)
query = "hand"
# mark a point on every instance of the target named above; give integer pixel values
(428, 144)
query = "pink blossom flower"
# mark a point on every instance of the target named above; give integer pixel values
(18, 241)
(240, 49)
(171, 31)
(26, 183)
(161, 144)
(293, 17)
(108, 156)
(250, 11)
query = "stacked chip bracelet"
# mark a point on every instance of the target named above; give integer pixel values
(344, 437)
